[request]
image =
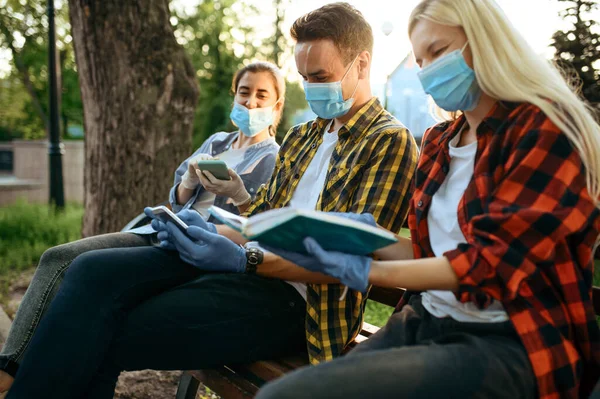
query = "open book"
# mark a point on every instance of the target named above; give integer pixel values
(285, 228)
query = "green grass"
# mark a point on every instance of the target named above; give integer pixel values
(27, 230)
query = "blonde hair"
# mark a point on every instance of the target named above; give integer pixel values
(278, 82)
(508, 69)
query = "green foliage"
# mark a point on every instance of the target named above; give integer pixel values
(218, 43)
(27, 230)
(377, 313)
(23, 31)
(578, 48)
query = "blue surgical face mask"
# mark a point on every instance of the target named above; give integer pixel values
(252, 121)
(451, 82)
(327, 100)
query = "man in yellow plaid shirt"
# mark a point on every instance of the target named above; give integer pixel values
(233, 303)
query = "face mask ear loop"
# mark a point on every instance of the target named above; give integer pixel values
(344, 77)
(349, 68)
(462, 50)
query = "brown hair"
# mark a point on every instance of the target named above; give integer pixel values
(339, 22)
(278, 82)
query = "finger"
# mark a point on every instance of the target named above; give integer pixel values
(148, 212)
(167, 245)
(186, 215)
(157, 225)
(313, 248)
(179, 239)
(232, 174)
(211, 178)
(203, 179)
(163, 236)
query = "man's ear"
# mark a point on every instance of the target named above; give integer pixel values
(364, 64)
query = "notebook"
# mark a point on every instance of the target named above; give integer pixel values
(285, 228)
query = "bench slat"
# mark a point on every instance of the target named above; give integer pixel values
(387, 296)
(225, 383)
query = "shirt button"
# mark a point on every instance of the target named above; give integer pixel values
(420, 204)
(296, 176)
(251, 190)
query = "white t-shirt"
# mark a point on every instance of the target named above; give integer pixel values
(445, 235)
(232, 157)
(311, 183)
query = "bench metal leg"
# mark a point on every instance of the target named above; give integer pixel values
(188, 387)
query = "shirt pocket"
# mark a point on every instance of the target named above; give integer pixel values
(342, 176)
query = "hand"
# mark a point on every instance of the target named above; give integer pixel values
(366, 218)
(233, 188)
(190, 178)
(351, 270)
(193, 218)
(210, 252)
(161, 228)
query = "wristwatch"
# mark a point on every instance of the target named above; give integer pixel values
(254, 257)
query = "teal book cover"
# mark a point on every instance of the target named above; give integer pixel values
(331, 237)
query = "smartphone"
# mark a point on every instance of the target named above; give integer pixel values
(217, 168)
(165, 215)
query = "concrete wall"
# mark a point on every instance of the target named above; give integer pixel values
(30, 168)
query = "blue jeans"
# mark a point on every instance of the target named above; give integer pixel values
(416, 355)
(44, 286)
(140, 308)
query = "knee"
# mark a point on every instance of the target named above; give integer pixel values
(89, 269)
(54, 258)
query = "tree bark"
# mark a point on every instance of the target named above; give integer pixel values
(139, 93)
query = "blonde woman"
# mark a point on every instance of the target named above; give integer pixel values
(504, 219)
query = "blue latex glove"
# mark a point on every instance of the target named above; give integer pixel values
(208, 251)
(351, 270)
(161, 228)
(365, 218)
(193, 218)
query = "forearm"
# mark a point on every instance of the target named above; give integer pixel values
(402, 250)
(232, 234)
(183, 194)
(417, 274)
(274, 266)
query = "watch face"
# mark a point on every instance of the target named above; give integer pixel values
(253, 259)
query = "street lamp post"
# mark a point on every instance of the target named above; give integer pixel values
(55, 148)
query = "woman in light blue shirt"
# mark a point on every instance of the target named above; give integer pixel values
(250, 153)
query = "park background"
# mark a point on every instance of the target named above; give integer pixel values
(117, 163)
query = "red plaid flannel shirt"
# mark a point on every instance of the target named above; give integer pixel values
(530, 226)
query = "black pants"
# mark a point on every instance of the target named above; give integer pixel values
(417, 355)
(144, 308)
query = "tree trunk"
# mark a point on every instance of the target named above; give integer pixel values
(139, 93)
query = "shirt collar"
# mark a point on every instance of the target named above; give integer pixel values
(359, 124)
(494, 120)
(221, 145)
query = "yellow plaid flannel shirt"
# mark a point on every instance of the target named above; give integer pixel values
(370, 171)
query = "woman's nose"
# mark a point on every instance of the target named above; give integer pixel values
(251, 103)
